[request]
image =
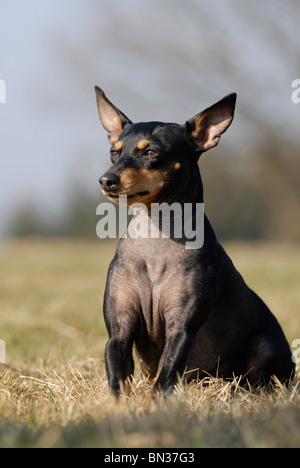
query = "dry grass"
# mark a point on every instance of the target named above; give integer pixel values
(54, 392)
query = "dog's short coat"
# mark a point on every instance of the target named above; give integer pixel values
(183, 310)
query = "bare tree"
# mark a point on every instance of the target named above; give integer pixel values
(168, 59)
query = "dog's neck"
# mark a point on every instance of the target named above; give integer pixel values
(179, 217)
(188, 189)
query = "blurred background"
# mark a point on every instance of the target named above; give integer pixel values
(156, 60)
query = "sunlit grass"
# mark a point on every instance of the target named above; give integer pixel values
(54, 393)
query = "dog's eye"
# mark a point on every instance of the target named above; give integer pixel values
(151, 153)
(114, 154)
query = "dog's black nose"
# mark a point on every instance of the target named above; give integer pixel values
(109, 181)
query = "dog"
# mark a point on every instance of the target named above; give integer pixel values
(187, 311)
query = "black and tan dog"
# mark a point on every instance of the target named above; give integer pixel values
(183, 309)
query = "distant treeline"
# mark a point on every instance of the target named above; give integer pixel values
(247, 197)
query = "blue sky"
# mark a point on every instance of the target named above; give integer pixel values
(53, 52)
(37, 146)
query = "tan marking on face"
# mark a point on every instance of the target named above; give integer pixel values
(134, 181)
(118, 145)
(177, 166)
(143, 144)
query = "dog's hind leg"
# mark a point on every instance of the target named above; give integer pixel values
(269, 357)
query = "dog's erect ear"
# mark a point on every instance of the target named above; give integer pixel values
(207, 127)
(113, 120)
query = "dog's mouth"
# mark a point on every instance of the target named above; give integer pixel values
(128, 196)
(133, 185)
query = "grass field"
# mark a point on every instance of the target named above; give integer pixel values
(53, 390)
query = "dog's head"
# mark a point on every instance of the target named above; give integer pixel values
(152, 160)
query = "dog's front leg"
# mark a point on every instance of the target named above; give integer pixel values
(175, 357)
(119, 364)
(182, 323)
(121, 320)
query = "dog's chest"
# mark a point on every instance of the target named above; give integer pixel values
(154, 274)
